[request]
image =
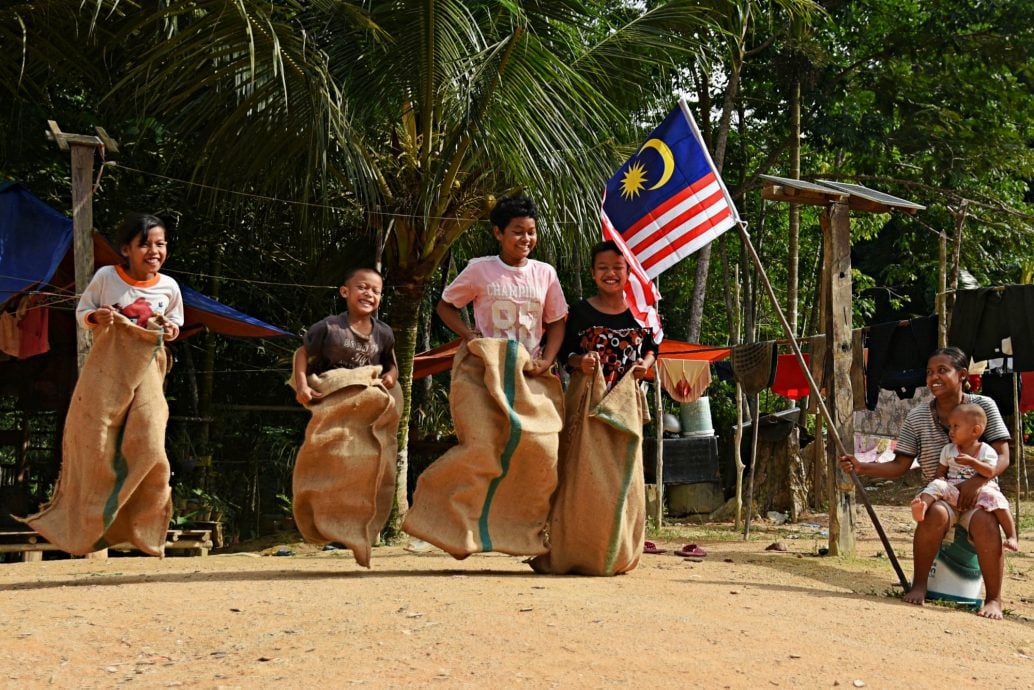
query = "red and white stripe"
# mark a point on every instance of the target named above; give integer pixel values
(640, 292)
(680, 226)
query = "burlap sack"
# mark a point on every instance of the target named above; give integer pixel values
(344, 476)
(491, 492)
(597, 523)
(114, 482)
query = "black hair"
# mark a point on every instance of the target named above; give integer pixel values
(508, 208)
(369, 269)
(605, 246)
(136, 226)
(959, 360)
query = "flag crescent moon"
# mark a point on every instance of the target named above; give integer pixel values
(669, 160)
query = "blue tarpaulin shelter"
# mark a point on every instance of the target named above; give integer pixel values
(35, 239)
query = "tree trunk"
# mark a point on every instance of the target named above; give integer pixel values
(795, 209)
(696, 305)
(404, 319)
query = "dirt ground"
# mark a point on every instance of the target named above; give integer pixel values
(742, 617)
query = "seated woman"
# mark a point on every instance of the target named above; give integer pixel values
(922, 437)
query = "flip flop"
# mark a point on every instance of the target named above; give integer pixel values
(650, 547)
(691, 551)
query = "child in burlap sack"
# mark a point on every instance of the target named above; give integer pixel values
(114, 481)
(345, 373)
(598, 516)
(491, 492)
(601, 330)
(135, 289)
(350, 340)
(514, 297)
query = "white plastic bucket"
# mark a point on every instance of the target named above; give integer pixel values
(695, 418)
(955, 574)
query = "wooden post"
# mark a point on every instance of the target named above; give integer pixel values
(942, 291)
(836, 235)
(659, 421)
(83, 147)
(956, 252)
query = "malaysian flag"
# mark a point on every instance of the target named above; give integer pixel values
(666, 202)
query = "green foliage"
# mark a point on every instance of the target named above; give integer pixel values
(286, 142)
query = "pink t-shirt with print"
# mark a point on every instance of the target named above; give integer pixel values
(510, 302)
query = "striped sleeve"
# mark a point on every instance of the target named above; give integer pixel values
(908, 439)
(996, 429)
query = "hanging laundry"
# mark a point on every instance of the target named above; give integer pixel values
(897, 357)
(979, 322)
(753, 365)
(685, 380)
(987, 323)
(997, 385)
(1027, 391)
(790, 380)
(10, 336)
(34, 329)
(1019, 305)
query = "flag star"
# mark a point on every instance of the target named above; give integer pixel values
(634, 180)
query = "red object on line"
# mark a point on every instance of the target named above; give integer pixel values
(790, 380)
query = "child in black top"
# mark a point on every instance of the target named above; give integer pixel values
(601, 330)
(350, 340)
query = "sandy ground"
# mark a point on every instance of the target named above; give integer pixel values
(742, 617)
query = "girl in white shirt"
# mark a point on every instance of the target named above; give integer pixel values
(135, 289)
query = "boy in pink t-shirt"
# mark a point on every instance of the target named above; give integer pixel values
(515, 298)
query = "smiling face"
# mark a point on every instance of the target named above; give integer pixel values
(610, 273)
(516, 240)
(943, 378)
(146, 253)
(362, 293)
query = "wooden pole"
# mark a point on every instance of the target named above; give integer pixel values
(738, 454)
(834, 436)
(942, 291)
(836, 236)
(659, 412)
(753, 462)
(82, 148)
(956, 253)
(1017, 438)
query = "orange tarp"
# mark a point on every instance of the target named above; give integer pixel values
(439, 359)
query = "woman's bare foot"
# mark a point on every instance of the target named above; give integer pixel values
(1011, 544)
(916, 595)
(992, 609)
(918, 509)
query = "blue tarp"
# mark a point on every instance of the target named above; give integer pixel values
(34, 238)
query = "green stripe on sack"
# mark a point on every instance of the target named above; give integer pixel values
(615, 531)
(509, 392)
(121, 468)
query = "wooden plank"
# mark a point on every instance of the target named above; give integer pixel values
(25, 542)
(799, 196)
(19, 548)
